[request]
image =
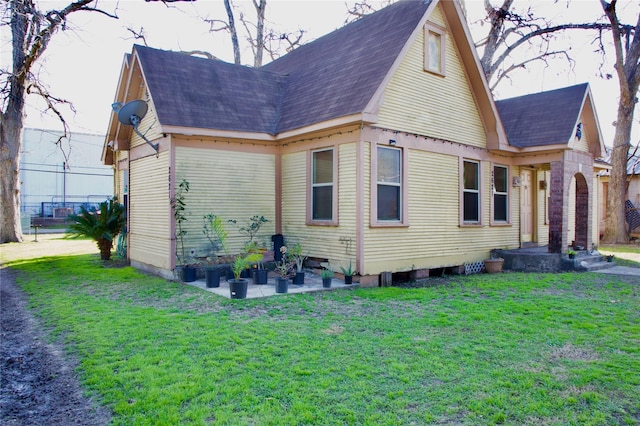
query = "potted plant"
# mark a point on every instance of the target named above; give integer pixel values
(237, 285)
(283, 267)
(179, 207)
(215, 231)
(252, 227)
(610, 258)
(298, 258)
(327, 276)
(571, 253)
(258, 272)
(348, 273)
(493, 264)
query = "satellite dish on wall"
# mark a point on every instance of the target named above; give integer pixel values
(131, 114)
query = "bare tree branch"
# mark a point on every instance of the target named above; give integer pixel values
(542, 57)
(52, 105)
(138, 34)
(275, 40)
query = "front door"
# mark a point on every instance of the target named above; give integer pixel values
(526, 206)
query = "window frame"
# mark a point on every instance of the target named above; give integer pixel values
(442, 33)
(403, 192)
(478, 191)
(507, 194)
(311, 186)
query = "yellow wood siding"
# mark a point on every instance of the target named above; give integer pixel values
(231, 184)
(149, 126)
(150, 212)
(583, 143)
(321, 241)
(119, 174)
(434, 237)
(419, 102)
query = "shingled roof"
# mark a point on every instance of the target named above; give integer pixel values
(334, 76)
(189, 91)
(338, 74)
(540, 119)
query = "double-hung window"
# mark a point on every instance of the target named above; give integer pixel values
(322, 185)
(471, 192)
(389, 184)
(500, 194)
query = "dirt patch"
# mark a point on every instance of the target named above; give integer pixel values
(37, 380)
(573, 353)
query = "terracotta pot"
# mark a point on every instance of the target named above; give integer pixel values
(494, 265)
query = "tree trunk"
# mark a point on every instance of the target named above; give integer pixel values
(494, 39)
(260, 9)
(233, 32)
(616, 224)
(11, 132)
(105, 246)
(627, 67)
(10, 137)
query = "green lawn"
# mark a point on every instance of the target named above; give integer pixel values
(521, 349)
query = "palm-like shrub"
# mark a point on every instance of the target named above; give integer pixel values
(102, 225)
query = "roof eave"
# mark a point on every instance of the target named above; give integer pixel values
(113, 126)
(219, 133)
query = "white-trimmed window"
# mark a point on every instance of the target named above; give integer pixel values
(470, 192)
(322, 185)
(435, 49)
(500, 194)
(389, 184)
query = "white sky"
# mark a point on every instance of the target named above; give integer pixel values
(83, 63)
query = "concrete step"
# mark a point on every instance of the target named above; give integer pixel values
(597, 266)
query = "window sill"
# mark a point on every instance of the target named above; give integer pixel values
(321, 223)
(388, 225)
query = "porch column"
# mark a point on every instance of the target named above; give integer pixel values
(558, 219)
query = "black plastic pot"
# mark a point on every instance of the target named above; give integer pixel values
(260, 276)
(348, 279)
(188, 274)
(282, 285)
(298, 279)
(238, 288)
(326, 282)
(213, 277)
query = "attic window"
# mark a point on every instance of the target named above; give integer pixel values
(435, 47)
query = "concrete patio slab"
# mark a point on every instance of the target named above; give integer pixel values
(312, 282)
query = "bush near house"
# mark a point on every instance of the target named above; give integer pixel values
(101, 225)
